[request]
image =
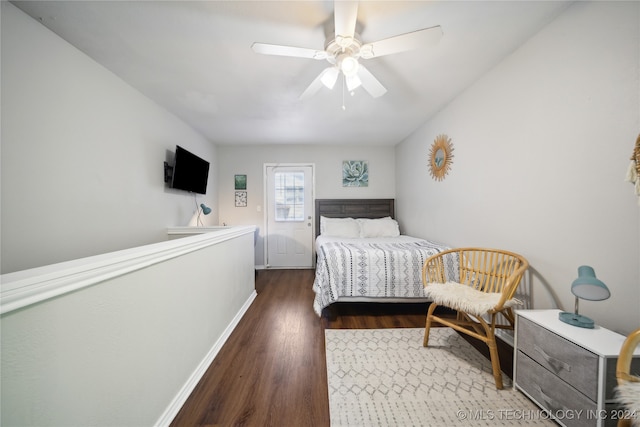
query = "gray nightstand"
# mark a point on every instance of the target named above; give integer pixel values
(567, 370)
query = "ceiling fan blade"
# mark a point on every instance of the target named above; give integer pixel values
(345, 15)
(402, 42)
(298, 52)
(370, 83)
(325, 78)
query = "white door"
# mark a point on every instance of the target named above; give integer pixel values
(289, 216)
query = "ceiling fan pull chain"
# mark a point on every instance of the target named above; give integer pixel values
(343, 83)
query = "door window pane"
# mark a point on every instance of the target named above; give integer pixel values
(289, 197)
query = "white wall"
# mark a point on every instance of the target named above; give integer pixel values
(541, 147)
(249, 160)
(128, 347)
(82, 154)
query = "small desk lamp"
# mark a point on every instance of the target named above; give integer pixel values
(205, 210)
(588, 287)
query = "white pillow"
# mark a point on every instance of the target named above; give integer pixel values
(382, 227)
(339, 227)
(323, 221)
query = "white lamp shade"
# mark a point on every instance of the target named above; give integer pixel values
(353, 82)
(588, 287)
(349, 66)
(329, 77)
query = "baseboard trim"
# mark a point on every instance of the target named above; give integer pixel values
(184, 393)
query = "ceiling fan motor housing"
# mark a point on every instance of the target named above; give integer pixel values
(342, 47)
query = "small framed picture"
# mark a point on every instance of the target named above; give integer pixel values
(355, 173)
(240, 182)
(241, 199)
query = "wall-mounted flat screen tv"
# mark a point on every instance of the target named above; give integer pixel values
(190, 172)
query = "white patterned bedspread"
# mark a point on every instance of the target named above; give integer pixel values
(382, 267)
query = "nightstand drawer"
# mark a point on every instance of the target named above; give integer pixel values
(575, 365)
(552, 393)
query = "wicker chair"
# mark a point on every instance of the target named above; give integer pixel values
(628, 384)
(479, 284)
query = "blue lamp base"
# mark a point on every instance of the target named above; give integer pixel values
(576, 320)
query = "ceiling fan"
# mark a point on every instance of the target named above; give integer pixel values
(344, 51)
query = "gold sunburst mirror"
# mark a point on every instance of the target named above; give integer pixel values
(441, 155)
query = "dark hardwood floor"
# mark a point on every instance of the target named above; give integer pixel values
(272, 369)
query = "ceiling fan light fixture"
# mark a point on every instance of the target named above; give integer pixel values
(329, 77)
(349, 66)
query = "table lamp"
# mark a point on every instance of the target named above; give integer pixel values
(588, 287)
(205, 210)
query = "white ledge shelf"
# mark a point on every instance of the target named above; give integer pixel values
(181, 231)
(27, 287)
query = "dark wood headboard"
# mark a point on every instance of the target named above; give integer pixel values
(354, 208)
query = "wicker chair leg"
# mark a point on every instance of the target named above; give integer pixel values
(495, 361)
(490, 339)
(432, 308)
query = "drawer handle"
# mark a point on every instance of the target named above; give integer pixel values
(549, 401)
(556, 364)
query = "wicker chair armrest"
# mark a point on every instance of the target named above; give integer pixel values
(510, 288)
(623, 367)
(433, 268)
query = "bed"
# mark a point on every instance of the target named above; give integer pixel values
(361, 256)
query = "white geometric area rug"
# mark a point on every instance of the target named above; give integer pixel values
(385, 377)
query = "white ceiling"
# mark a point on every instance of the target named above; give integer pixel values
(194, 58)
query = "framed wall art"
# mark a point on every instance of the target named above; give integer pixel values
(240, 182)
(241, 199)
(355, 173)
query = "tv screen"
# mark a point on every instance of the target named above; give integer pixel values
(190, 172)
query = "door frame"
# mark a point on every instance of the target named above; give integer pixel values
(265, 203)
